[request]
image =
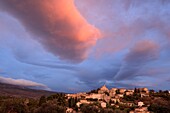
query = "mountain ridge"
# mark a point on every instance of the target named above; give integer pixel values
(22, 91)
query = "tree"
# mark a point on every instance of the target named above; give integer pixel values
(42, 100)
(166, 91)
(152, 91)
(160, 91)
(160, 105)
(72, 102)
(136, 90)
(13, 105)
(89, 108)
(50, 107)
(117, 91)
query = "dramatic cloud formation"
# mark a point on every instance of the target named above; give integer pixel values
(56, 24)
(123, 23)
(22, 82)
(123, 71)
(36, 35)
(142, 53)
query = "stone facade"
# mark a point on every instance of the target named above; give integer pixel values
(103, 89)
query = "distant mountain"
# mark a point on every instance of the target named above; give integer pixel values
(20, 91)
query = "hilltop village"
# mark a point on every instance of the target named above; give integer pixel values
(15, 99)
(135, 100)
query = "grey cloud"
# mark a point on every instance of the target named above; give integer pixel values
(50, 65)
(96, 78)
(141, 54)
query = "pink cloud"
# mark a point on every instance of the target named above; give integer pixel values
(57, 25)
(143, 51)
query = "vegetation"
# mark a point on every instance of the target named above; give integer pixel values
(52, 104)
(72, 102)
(134, 97)
(160, 103)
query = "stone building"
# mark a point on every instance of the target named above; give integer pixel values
(112, 92)
(122, 90)
(103, 89)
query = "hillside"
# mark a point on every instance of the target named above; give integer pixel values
(20, 91)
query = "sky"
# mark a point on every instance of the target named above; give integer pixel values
(80, 45)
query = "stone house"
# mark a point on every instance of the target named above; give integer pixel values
(112, 92)
(95, 96)
(103, 104)
(140, 104)
(122, 90)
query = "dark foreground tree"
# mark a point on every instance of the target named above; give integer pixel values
(50, 108)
